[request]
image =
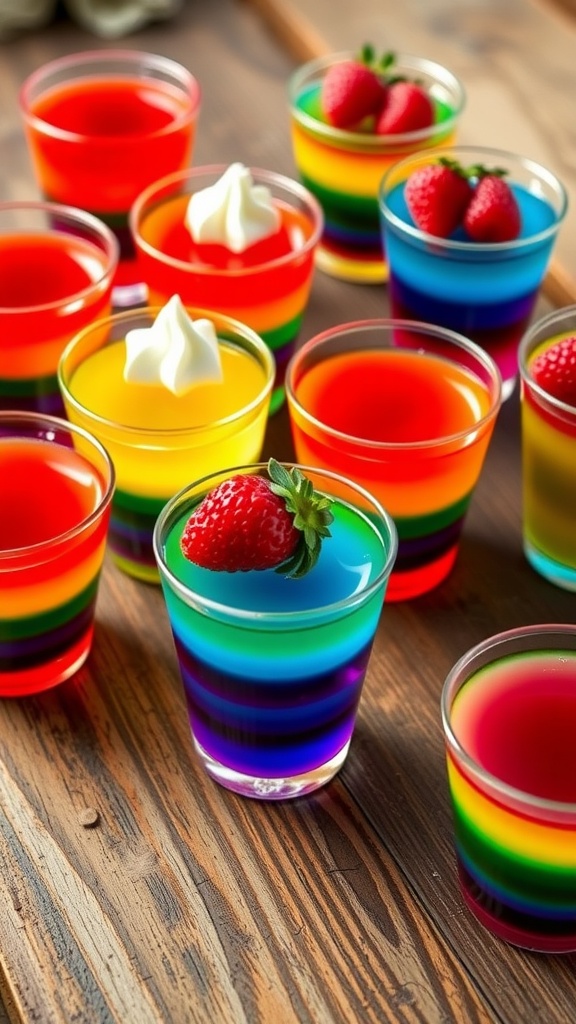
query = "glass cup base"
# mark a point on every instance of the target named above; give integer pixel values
(560, 575)
(515, 936)
(276, 788)
(370, 270)
(43, 677)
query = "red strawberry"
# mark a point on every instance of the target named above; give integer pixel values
(437, 195)
(248, 522)
(555, 370)
(407, 107)
(493, 214)
(350, 92)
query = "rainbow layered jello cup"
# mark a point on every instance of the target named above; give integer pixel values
(407, 410)
(549, 453)
(484, 290)
(509, 717)
(273, 667)
(56, 490)
(158, 439)
(57, 265)
(343, 168)
(266, 285)
(103, 124)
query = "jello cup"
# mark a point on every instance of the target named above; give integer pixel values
(509, 718)
(406, 410)
(484, 290)
(273, 668)
(57, 265)
(103, 124)
(57, 484)
(157, 440)
(548, 459)
(343, 169)
(270, 295)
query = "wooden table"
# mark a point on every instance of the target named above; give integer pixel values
(183, 902)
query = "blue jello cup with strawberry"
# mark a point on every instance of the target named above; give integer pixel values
(469, 232)
(255, 266)
(274, 578)
(353, 115)
(548, 404)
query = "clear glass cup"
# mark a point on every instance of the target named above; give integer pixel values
(273, 668)
(270, 295)
(343, 169)
(156, 439)
(407, 410)
(509, 720)
(57, 265)
(548, 459)
(484, 290)
(57, 485)
(103, 124)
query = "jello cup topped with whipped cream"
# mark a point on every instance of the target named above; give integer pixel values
(234, 239)
(172, 393)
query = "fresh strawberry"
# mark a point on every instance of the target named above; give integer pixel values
(493, 214)
(555, 370)
(437, 196)
(407, 107)
(351, 91)
(249, 522)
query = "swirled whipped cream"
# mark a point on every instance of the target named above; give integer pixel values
(233, 211)
(175, 351)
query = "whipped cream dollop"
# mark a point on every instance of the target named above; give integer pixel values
(233, 211)
(175, 351)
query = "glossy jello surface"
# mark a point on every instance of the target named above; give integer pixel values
(51, 286)
(392, 406)
(47, 600)
(516, 719)
(273, 675)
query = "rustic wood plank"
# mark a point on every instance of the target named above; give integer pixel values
(507, 105)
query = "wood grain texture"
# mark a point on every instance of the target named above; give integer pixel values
(185, 903)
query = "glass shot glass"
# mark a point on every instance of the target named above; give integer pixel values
(57, 266)
(157, 439)
(407, 410)
(103, 124)
(273, 668)
(486, 291)
(509, 720)
(548, 458)
(270, 295)
(57, 485)
(343, 168)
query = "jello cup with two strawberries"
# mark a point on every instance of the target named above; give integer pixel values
(170, 392)
(548, 403)
(233, 239)
(469, 232)
(352, 117)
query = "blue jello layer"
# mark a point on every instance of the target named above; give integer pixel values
(274, 693)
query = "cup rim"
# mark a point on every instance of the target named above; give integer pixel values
(154, 61)
(524, 351)
(168, 432)
(89, 221)
(453, 245)
(424, 329)
(239, 614)
(345, 136)
(58, 423)
(506, 791)
(260, 175)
